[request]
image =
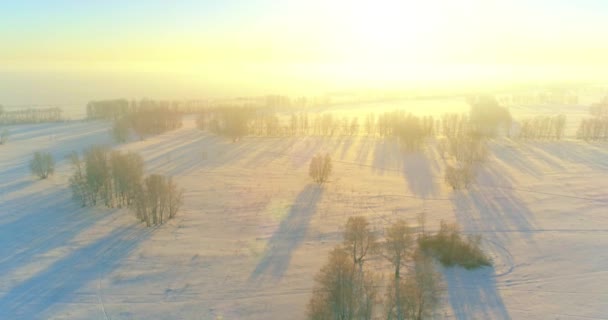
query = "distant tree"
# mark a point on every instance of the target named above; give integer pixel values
(488, 117)
(359, 240)
(234, 122)
(320, 168)
(4, 136)
(42, 165)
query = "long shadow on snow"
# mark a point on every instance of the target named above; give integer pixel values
(63, 279)
(592, 155)
(289, 235)
(492, 205)
(43, 222)
(473, 294)
(95, 133)
(514, 157)
(419, 174)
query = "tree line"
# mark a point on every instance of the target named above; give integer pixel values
(116, 179)
(596, 126)
(543, 127)
(30, 116)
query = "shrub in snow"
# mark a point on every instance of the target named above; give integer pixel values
(42, 165)
(451, 248)
(320, 168)
(157, 200)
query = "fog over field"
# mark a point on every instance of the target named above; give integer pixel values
(303, 160)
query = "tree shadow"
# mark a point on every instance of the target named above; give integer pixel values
(365, 146)
(42, 222)
(290, 233)
(514, 157)
(32, 298)
(419, 175)
(387, 156)
(13, 164)
(592, 155)
(473, 294)
(492, 206)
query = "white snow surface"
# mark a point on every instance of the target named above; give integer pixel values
(254, 230)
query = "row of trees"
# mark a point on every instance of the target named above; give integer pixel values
(116, 179)
(595, 127)
(486, 118)
(543, 127)
(115, 109)
(30, 115)
(146, 121)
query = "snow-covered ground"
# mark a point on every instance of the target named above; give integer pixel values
(254, 230)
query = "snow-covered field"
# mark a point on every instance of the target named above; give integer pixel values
(254, 230)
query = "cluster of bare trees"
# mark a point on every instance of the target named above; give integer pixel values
(31, 115)
(143, 122)
(320, 168)
(42, 165)
(116, 179)
(109, 109)
(158, 200)
(595, 127)
(464, 141)
(344, 289)
(463, 153)
(543, 127)
(232, 122)
(143, 117)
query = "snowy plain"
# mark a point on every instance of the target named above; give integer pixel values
(254, 229)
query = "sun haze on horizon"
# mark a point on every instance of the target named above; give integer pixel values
(190, 48)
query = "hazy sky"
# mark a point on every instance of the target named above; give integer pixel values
(67, 51)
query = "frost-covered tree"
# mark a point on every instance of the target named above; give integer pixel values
(42, 165)
(158, 200)
(320, 168)
(341, 291)
(359, 240)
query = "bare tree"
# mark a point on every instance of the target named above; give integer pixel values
(320, 168)
(359, 240)
(399, 240)
(417, 295)
(340, 293)
(157, 200)
(42, 165)
(397, 246)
